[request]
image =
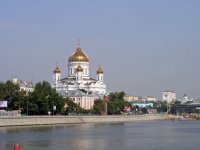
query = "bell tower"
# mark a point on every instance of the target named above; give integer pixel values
(56, 75)
(100, 74)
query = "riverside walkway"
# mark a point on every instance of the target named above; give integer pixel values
(50, 120)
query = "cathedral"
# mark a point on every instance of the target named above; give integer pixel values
(78, 81)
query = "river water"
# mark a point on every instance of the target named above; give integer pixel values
(143, 135)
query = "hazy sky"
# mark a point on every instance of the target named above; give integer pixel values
(144, 46)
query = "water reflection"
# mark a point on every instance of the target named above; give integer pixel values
(149, 135)
(28, 129)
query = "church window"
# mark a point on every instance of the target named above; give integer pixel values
(87, 71)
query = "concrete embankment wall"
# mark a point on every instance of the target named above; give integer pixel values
(47, 120)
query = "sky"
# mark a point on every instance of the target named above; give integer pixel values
(144, 46)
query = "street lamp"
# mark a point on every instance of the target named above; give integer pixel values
(54, 108)
(27, 107)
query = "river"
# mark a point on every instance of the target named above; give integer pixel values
(141, 135)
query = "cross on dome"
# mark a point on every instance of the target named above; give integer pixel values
(78, 42)
(78, 55)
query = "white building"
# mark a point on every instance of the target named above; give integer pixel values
(26, 86)
(168, 96)
(151, 99)
(78, 77)
(139, 98)
(185, 99)
(129, 98)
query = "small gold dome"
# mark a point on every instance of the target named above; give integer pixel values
(79, 69)
(78, 56)
(56, 70)
(99, 70)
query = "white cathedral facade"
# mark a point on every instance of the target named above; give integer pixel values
(78, 82)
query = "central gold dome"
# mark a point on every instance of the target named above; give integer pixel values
(78, 56)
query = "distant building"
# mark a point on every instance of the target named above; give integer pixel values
(152, 99)
(139, 98)
(142, 104)
(130, 98)
(185, 99)
(26, 86)
(168, 96)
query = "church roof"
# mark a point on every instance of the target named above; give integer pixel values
(78, 56)
(76, 93)
(99, 70)
(68, 79)
(56, 69)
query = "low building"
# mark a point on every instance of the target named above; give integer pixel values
(130, 98)
(81, 98)
(142, 104)
(139, 98)
(185, 99)
(150, 98)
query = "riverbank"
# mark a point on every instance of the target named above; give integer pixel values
(50, 120)
(184, 117)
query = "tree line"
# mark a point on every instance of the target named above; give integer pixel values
(44, 99)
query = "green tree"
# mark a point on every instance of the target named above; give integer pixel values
(43, 98)
(11, 92)
(98, 107)
(71, 107)
(161, 106)
(116, 104)
(177, 103)
(116, 96)
(2, 90)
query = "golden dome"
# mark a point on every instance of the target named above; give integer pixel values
(99, 70)
(78, 56)
(79, 69)
(56, 70)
